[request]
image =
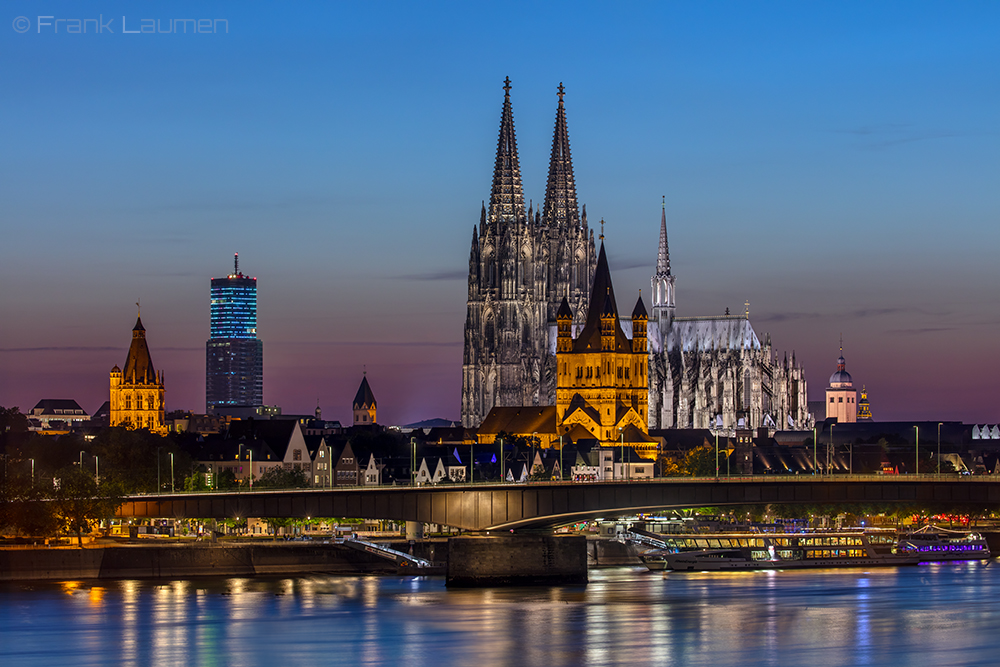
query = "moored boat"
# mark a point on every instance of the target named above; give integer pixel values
(773, 551)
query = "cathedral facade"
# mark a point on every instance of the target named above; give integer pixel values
(714, 372)
(522, 264)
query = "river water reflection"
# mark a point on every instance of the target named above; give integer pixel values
(934, 614)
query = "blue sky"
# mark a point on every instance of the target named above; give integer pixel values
(833, 163)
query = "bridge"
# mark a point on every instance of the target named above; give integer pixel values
(493, 507)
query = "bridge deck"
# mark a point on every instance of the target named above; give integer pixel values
(483, 507)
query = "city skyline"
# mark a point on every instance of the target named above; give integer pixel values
(830, 164)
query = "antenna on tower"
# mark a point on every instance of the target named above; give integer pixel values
(236, 264)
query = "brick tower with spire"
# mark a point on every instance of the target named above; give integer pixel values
(136, 393)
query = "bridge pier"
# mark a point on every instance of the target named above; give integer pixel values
(516, 560)
(414, 530)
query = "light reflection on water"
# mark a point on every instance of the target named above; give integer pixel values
(943, 614)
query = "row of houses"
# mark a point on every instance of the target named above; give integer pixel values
(252, 448)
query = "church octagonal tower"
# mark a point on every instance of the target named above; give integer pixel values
(136, 393)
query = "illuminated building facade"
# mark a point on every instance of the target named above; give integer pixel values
(136, 399)
(234, 356)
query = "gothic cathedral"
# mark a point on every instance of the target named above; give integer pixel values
(521, 266)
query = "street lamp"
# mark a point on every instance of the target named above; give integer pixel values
(97, 470)
(413, 459)
(939, 450)
(829, 450)
(158, 469)
(32, 473)
(621, 434)
(171, 472)
(531, 468)
(250, 450)
(916, 452)
(502, 478)
(716, 456)
(815, 460)
(560, 460)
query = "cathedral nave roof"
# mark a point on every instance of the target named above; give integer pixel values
(710, 333)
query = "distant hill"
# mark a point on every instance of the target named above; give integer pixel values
(431, 423)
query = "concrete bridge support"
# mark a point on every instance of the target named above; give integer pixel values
(516, 560)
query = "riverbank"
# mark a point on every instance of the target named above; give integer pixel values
(188, 560)
(240, 559)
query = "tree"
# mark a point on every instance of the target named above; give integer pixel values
(80, 501)
(24, 509)
(699, 462)
(279, 477)
(11, 420)
(226, 479)
(277, 523)
(195, 482)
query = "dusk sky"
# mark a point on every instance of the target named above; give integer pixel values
(834, 163)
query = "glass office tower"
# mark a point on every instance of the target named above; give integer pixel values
(234, 356)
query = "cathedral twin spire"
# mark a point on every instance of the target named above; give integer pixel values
(560, 207)
(522, 263)
(507, 197)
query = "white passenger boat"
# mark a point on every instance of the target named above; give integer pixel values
(782, 551)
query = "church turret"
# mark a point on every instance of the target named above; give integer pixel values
(639, 319)
(609, 319)
(474, 264)
(564, 321)
(864, 407)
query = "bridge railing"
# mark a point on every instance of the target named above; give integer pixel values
(722, 479)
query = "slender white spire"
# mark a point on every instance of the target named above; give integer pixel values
(663, 254)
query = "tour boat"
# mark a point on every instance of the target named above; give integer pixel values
(784, 551)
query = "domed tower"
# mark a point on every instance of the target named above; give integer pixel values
(841, 396)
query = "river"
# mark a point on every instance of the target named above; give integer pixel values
(932, 614)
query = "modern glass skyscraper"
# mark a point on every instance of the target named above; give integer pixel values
(234, 356)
